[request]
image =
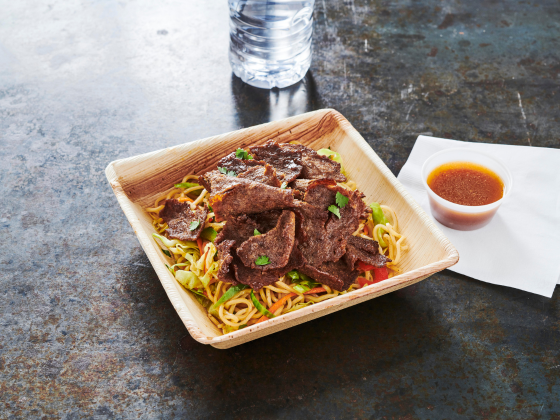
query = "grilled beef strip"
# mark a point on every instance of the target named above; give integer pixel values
(226, 271)
(237, 228)
(312, 236)
(335, 274)
(312, 241)
(242, 227)
(315, 166)
(257, 278)
(264, 174)
(276, 245)
(286, 162)
(322, 235)
(302, 185)
(179, 217)
(365, 250)
(233, 163)
(233, 196)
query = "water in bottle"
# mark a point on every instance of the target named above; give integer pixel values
(270, 41)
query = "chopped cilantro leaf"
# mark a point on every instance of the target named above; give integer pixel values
(341, 200)
(335, 210)
(262, 260)
(256, 232)
(226, 172)
(242, 154)
(194, 225)
(284, 185)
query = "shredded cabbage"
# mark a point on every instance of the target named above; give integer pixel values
(169, 243)
(172, 268)
(195, 275)
(188, 279)
(212, 271)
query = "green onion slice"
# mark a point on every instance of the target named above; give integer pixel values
(259, 307)
(231, 292)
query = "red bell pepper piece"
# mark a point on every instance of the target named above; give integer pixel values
(362, 266)
(363, 282)
(379, 274)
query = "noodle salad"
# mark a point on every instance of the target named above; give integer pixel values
(232, 307)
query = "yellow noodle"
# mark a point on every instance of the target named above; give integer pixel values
(298, 299)
(226, 314)
(275, 289)
(237, 301)
(263, 296)
(214, 320)
(319, 298)
(191, 189)
(288, 288)
(241, 312)
(240, 309)
(199, 199)
(288, 304)
(249, 316)
(186, 178)
(394, 220)
(156, 209)
(218, 290)
(209, 293)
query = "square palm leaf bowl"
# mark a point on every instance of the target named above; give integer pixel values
(139, 180)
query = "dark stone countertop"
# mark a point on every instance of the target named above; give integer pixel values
(86, 328)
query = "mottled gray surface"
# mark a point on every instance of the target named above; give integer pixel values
(86, 328)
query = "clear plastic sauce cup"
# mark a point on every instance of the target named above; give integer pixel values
(458, 216)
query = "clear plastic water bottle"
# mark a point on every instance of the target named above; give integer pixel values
(270, 41)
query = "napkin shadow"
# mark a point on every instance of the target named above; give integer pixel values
(487, 240)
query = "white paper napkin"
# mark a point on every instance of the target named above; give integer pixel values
(520, 247)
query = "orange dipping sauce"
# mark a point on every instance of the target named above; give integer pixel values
(466, 183)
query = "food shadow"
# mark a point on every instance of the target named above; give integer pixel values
(336, 351)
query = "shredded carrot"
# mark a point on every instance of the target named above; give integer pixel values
(275, 307)
(280, 302)
(316, 290)
(206, 263)
(183, 199)
(199, 243)
(366, 231)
